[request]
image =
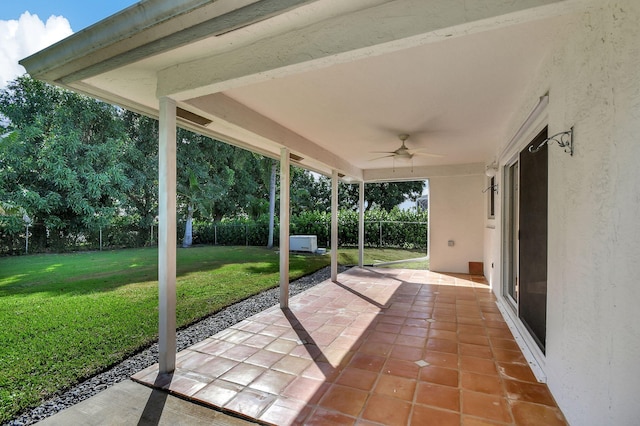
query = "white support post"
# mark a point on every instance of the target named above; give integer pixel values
(361, 224)
(167, 236)
(284, 227)
(334, 226)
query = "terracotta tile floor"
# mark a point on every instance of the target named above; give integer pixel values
(381, 347)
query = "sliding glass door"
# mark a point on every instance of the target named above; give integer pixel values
(525, 226)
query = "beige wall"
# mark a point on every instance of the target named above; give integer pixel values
(593, 325)
(456, 209)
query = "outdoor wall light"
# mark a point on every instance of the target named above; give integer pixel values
(491, 170)
(564, 140)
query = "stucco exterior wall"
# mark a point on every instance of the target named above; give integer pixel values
(456, 209)
(593, 320)
(491, 254)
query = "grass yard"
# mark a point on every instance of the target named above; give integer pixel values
(349, 256)
(66, 317)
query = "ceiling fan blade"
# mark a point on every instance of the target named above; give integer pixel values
(382, 152)
(380, 158)
(426, 154)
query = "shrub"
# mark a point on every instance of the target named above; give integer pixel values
(395, 229)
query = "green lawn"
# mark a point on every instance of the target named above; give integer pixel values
(66, 317)
(349, 256)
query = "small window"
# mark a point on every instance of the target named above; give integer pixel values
(492, 197)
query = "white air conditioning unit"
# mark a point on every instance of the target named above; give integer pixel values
(303, 243)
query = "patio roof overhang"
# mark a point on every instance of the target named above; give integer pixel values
(325, 84)
(331, 81)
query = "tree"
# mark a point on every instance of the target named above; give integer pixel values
(384, 195)
(249, 193)
(314, 193)
(195, 198)
(140, 160)
(203, 178)
(62, 161)
(309, 192)
(75, 163)
(13, 216)
(216, 179)
(8, 209)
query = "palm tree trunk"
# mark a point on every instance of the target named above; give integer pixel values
(187, 240)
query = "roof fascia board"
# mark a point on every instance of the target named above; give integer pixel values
(127, 24)
(424, 172)
(145, 29)
(223, 108)
(369, 31)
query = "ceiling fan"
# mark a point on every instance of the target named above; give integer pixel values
(402, 153)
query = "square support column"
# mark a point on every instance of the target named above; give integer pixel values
(361, 224)
(284, 227)
(334, 226)
(167, 236)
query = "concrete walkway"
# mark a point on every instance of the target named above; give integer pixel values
(130, 403)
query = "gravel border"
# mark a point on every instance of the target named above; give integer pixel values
(186, 337)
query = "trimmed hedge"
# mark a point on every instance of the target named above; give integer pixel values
(395, 229)
(123, 232)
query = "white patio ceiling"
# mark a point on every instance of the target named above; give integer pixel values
(332, 80)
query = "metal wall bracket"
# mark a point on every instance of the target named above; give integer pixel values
(564, 140)
(494, 188)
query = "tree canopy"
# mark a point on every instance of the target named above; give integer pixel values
(72, 162)
(60, 160)
(383, 195)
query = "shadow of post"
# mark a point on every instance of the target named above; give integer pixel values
(365, 361)
(315, 352)
(310, 345)
(360, 295)
(155, 404)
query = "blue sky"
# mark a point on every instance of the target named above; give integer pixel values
(80, 14)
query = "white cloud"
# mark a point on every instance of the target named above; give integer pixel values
(27, 35)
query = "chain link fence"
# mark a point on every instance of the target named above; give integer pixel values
(37, 238)
(379, 234)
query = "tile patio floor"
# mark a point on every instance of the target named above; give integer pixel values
(380, 347)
